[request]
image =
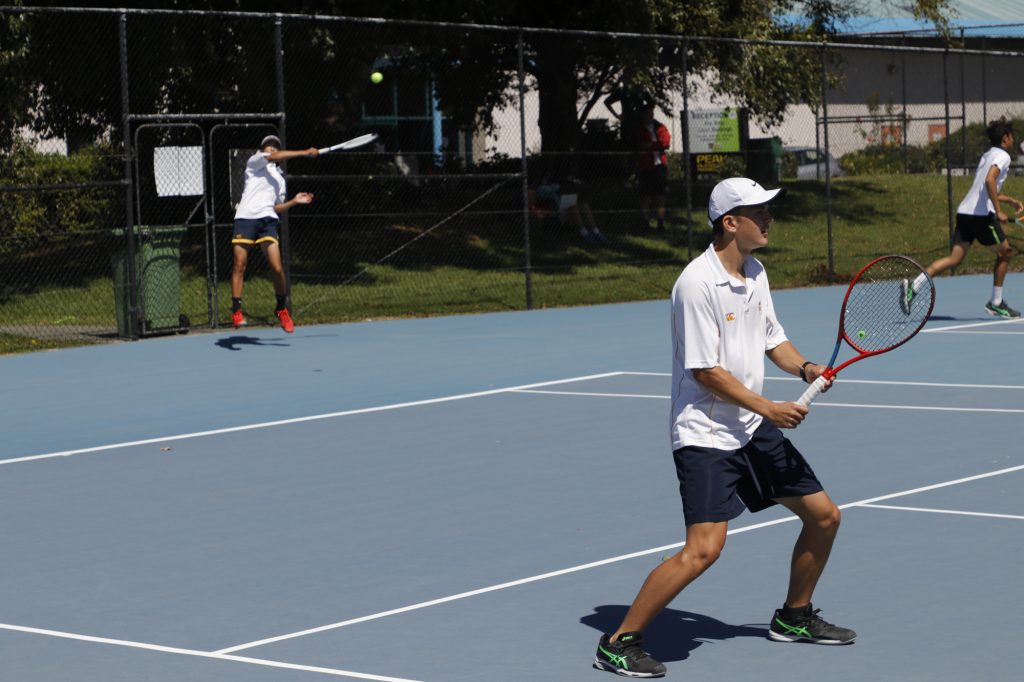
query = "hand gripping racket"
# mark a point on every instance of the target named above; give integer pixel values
(883, 309)
(360, 141)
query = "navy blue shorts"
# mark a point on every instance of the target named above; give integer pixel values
(652, 182)
(985, 228)
(716, 485)
(249, 231)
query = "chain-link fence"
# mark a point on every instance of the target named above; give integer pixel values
(513, 168)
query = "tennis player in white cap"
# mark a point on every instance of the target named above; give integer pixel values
(729, 450)
(257, 220)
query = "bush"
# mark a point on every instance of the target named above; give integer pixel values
(890, 159)
(39, 213)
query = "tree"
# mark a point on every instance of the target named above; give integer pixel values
(202, 65)
(572, 72)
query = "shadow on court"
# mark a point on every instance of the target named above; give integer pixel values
(673, 634)
(950, 318)
(237, 342)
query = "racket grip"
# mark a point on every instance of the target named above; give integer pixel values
(812, 392)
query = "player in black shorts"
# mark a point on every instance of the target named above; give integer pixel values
(980, 217)
(729, 451)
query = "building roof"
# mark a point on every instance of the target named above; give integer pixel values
(975, 17)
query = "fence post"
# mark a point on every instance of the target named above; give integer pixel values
(687, 175)
(903, 89)
(286, 251)
(129, 188)
(949, 174)
(963, 102)
(828, 166)
(984, 83)
(523, 169)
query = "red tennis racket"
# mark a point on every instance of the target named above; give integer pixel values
(886, 304)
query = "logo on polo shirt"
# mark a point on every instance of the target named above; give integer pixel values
(729, 317)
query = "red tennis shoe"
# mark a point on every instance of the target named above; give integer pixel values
(286, 320)
(238, 319)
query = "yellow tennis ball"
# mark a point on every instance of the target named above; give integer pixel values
(861, 333)
(376, 77)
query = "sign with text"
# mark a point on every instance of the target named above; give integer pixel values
(714, 131)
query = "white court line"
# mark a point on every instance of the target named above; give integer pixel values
(925, 408)
(298, 420)
(588, 393)
(981, 333)
(929, 384)
(485, 590)
(202, 654)
(936, 330)
(942, 511)
(594, 564)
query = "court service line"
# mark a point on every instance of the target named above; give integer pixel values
(928, 384)
(957, 331)
(925, 408)
(942, 511)
(589, 393)
(936, 330)
(298, 420)
(593, 564)
(483, 590)
(202, 654)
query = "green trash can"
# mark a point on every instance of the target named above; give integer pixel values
(764, 159)
(158, 267)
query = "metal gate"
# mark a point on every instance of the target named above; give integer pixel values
(172, 267)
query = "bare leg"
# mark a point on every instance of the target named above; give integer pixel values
(955, 257)
(820, 517)
(704, 543)
(273, 253)
(1002, 264)
(573, 214)
(241, 258)
(588, 217)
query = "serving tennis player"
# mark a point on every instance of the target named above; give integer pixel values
(729, 451)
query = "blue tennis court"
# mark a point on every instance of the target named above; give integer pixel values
(479, 497)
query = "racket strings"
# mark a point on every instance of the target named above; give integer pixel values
(878, 315)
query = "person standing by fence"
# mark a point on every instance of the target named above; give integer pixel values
(652, 140)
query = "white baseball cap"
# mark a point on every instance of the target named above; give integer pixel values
(270, 140)
(736, 192)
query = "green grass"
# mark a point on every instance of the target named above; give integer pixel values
(871, 216)
(18, 343)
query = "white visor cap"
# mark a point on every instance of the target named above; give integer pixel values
(735, 192)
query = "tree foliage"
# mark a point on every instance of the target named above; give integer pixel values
(202, 64)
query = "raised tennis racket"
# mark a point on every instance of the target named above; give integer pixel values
(354, 143)
(882, 310)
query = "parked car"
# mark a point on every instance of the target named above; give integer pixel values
(810, 163)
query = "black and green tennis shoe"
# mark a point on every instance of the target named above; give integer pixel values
(1001, 309)
(808, 627)
(906, 295)
(626, 657)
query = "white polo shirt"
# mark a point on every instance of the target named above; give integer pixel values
(719, 321)
(977, 201)
(264, 187)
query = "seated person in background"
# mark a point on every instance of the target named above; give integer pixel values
(564, 199)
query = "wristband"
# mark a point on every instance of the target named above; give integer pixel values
(803, 377)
